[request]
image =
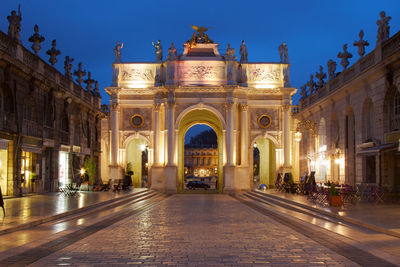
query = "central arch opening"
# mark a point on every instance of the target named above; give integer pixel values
(203, 118)
(200, 158)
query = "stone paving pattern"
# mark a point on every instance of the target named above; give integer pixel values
(196, 230)
(28, 209)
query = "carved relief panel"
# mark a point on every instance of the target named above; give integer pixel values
(264, 75)
(137, 75)
(201, 73)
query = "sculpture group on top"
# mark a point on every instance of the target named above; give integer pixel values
(199, 36)
(383, 35)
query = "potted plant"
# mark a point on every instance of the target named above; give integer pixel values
(334, 197)
(90, 167)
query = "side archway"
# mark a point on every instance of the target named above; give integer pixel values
(263, 160)
(137, 154)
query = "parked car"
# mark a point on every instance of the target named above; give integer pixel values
(197, 184)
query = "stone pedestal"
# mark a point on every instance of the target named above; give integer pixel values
(115, 172)
(229, 179)
(242, 178)
(171, 182)
(158, 178)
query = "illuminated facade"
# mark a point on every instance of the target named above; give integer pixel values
(201, 162)
(154, 104)
(350, 127)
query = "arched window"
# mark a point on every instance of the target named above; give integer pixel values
(322, 135)
(89, 139)
(368, 121)
(395, 116)
(64, 123)
(77, 133)
(335, 131)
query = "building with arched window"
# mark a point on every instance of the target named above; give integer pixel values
(45, 122)
(353, 121)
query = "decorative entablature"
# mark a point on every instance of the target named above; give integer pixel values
(264, 75)
(195, 73)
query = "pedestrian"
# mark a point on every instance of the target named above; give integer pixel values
(2, 202)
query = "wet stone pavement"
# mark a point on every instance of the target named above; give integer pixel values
(196, 230)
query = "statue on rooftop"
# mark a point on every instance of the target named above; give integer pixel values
(89, 81)
(14, 27)
(303, 91)
(361, 44)
(243, 52)
(200, 36)
(383, 27)
(68, 66)
(321, 75)
(36, 39)
(117, 52)
(53, 53)
(311, 84)
(229, 53)
(172, 54)
(79, 73)
(345, 55)
(331, 69)
(96, 91)
(283, 53)
(158, 47)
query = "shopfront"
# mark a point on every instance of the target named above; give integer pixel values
(3, 165)
(63, 168)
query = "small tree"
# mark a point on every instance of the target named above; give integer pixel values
(91, 168)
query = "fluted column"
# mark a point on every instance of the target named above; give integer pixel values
(286, 136)
(114, 133)
(157, 134)
(244, 136)
(229, 134)
(171, 132)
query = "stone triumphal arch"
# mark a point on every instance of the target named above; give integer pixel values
(153, 105)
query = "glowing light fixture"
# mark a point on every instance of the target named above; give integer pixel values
(82, 171)
(143, 147)
(297, 135)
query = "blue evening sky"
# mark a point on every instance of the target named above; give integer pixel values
(314, 30)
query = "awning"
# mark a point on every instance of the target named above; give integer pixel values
(3, 143)
(378, 149)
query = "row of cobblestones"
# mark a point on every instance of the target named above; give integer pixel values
(196, 230)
